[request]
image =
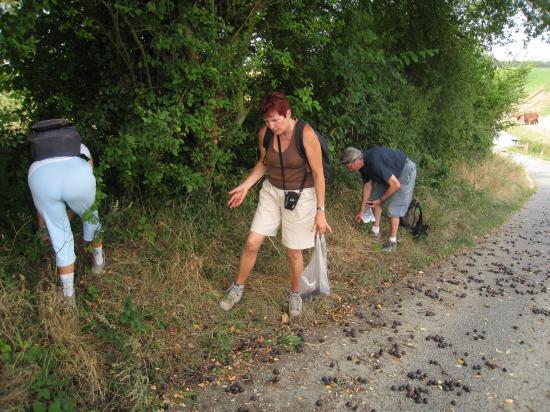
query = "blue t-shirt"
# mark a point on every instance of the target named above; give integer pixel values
(381, 163)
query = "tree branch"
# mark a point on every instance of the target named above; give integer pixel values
(142, 50)
(119, 44)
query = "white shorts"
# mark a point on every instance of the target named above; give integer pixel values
(297, 231)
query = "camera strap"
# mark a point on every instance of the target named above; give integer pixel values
(283, 169)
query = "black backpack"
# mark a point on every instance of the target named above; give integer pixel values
(299, 134)
(53, 138)
(413, 220)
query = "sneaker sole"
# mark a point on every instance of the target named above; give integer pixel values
(225, 307)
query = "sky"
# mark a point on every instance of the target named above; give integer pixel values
(537, 49)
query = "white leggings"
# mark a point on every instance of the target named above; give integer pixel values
(56, 185)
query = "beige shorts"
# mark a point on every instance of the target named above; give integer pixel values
(297, 232)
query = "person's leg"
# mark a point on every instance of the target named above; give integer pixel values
(42, 230)
(92, 234)
(246, 264)
(248, 256)
(296, 267)
(266, 222)
(45, 184)
(79, 194)
(398, 203)
(297, 235)
(394, 226)
(377, 211)
(377, 191)
(66, 274)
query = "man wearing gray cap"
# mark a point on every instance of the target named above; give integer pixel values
(388, 182)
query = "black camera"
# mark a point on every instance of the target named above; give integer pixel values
(291, 200)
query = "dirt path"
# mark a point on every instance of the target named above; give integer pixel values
(471, 334)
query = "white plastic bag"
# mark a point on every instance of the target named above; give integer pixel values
(368, 216)
(314, 279)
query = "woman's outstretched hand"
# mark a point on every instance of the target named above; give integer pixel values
(237, 196)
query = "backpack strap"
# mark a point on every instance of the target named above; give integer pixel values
(420, 221)
(268, 137)
(299, 136)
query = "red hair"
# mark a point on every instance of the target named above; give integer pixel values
(274, 101)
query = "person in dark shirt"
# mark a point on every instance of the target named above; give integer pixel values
(388, 177)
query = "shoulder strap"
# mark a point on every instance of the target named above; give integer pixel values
(299, 136)
(268, 137)
(420, 221)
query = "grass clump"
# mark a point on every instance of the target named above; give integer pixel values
(151, 323)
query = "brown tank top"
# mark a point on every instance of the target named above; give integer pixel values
(294, 164)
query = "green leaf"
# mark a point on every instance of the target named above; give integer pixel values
(44, 393)
(55, 406)
(39, 406)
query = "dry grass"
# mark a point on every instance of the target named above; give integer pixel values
(13, 310)
(176, 269)
(499, 177)
(77, 353)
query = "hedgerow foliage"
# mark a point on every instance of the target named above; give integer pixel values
(164, 91)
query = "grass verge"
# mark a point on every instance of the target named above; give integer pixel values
(151, 324)
(538, 141)
(539, 78)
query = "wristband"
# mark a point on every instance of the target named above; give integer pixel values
(321, 209)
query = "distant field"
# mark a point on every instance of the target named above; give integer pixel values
(539, 78)
(536, 137)
(538, 140)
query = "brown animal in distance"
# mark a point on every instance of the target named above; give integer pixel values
(517, 115)
(531, 118)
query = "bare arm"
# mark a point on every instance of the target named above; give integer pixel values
(367, 188)
(393, 186)
(239, 193)
(315, 159)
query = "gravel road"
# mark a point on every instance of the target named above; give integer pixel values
(470, 334)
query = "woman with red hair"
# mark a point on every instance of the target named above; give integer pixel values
(292, 196)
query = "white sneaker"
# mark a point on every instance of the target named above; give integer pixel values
(294, 305)
(70, 300)
(97, 269)
(232, 297)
